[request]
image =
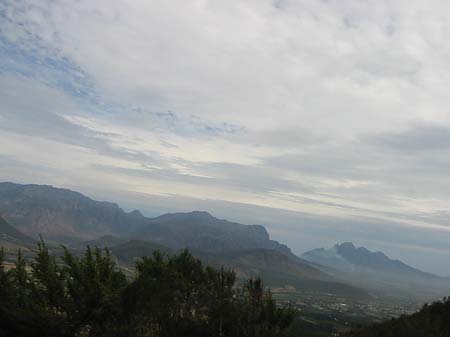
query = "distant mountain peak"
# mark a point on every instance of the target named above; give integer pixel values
(374, 270)
(345, 247)
(347, 256)
(361, 255)
(136, 213)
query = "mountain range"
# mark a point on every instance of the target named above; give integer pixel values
(63, 216)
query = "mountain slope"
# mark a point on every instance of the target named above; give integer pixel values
(128, 252)
(11, 235)
(275, 268)
(56, 212)
(431, 321)
(104, 241)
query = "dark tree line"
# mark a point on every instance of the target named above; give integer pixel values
(169, 296)
(433, 320)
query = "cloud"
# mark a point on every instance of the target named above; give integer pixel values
(330, 109)
(244, 63)
(421, 138)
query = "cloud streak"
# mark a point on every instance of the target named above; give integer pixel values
(334, 109)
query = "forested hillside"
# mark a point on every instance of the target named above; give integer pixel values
(168, 296)
(431, 321)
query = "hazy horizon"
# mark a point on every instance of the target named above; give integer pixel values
(325, 121)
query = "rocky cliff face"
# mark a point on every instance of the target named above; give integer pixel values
(55, 212)
(200, 230)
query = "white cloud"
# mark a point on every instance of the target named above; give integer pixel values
(310, 63)
(337, 108)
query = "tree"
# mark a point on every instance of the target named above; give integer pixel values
(48, 295)
(432, 321)
(93, 287)
(169, 296)
(259, 315)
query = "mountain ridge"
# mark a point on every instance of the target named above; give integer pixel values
(201, 230)
(60, 214)
(57, 212)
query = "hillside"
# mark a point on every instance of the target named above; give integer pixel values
(60, 213)
(128, 252)
(278, 270)
(275, 268)
(431, 321)
(104, 241)
(87, 295)
(8, 234)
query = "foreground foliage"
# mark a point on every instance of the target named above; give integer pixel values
(431, 321)
(169, 296)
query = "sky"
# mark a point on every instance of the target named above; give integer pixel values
(324, 120)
